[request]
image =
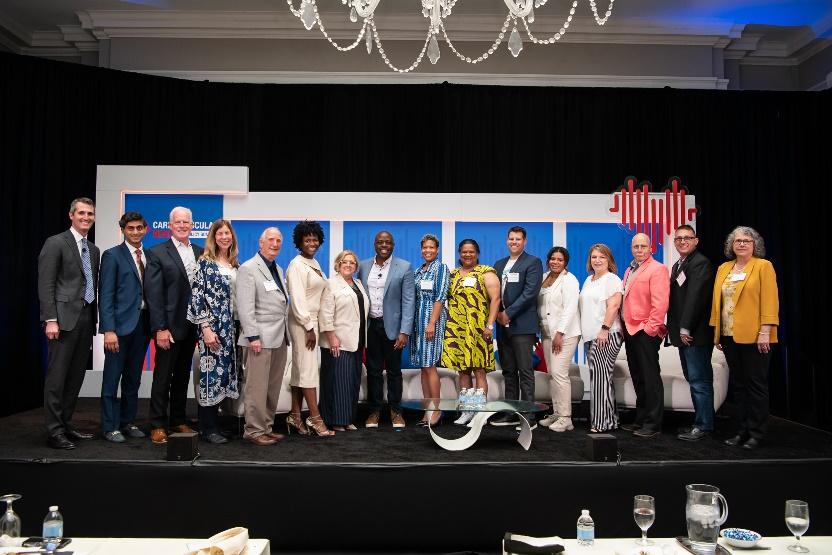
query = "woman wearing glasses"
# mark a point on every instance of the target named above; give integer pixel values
(343, 322)
(745, 316)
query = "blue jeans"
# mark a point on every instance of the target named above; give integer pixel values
(696, 365)
(124, 366)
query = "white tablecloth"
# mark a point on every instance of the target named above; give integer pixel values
(148, 546)
(818, 545)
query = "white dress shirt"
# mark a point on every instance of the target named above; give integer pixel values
(375, 287)
(186, 253)
(133, 250)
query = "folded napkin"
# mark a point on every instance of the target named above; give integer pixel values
(516, 544)
(233, 541)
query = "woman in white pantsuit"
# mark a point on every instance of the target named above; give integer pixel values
(560, 326)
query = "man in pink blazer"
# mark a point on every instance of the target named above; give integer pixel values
(646, 298)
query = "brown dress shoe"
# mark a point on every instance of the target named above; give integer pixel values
(265, 439)
(275, 436)
(183, 429)
(158, 435)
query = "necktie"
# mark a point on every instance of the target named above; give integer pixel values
(139, 263)
(676, 270)
(89, 290)
(276, 277)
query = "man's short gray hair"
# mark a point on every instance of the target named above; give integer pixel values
(182, 208)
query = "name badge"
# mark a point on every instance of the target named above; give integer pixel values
(426, 284)
(469, 282)
(680, 279)
(346, 291)
(270, 285)
(513, 277)
(738, 277)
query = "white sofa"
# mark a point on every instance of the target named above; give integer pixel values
(676, 388)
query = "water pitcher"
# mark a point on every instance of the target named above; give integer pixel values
(705, 511)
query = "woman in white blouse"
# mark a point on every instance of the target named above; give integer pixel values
(557, 310)
(601, 332)
(306, 283)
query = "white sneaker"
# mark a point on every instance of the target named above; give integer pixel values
(464, 418)
(562, 424)
(549, 420)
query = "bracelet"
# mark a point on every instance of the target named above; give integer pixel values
(764, 333)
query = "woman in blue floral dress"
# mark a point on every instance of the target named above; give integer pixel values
(212, 310)
(432, 280)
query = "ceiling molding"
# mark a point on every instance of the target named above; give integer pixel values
(463, 27)
(529, 80)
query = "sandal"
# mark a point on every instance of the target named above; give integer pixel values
(294, 420)
(316, 424)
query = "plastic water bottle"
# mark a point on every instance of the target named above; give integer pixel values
(586, 529)
(463, 396)
(480, 397)
(53, 529)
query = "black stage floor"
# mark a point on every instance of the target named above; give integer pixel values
(386, 491)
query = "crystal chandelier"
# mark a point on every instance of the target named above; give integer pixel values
(436, 11)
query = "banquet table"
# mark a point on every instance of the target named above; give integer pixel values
(145, 546)
(818, 545)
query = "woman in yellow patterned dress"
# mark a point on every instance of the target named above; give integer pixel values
(473, 302)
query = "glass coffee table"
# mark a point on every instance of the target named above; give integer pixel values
(483, 413)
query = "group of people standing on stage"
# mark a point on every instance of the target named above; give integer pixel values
(245, 317)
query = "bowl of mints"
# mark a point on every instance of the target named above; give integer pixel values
(740, 537)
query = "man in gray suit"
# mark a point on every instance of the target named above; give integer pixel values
(389, 284)
(67, 280)
(262, 306)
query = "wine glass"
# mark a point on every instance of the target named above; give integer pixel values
(10, 523)
(797, 519)
(644, 511)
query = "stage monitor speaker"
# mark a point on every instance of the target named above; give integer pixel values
(601, 447)
(183, 446)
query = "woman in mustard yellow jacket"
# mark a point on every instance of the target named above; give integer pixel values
(744, 314)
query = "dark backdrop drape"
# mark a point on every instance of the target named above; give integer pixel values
(754, 158)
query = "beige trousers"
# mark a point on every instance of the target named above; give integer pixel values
(560, 387)
(264, 376)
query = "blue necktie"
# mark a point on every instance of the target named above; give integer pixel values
(89, 292)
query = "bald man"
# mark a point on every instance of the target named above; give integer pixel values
(646, 298)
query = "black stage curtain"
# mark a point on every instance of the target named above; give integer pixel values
(752, 158)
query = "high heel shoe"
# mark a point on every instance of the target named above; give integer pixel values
(294, 420)
(316, 424)
(438, 420)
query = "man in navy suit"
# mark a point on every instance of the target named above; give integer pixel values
(123, 319)
(389, 283)
(171, 267)
(521, 275)
(67, 273)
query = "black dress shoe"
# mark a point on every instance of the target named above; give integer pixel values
(631, 427)
(72, 433)
(694, 434)
(59, 441)
(752, 443)
(215, 438)
(734, 441)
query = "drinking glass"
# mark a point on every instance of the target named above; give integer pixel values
(644, 511)
(10, 523)
(797, 519)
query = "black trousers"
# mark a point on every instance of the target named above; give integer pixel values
(515, 352)
(171, 372)
(382, 356)
(748, 381)
(66, 366)
(643, 360)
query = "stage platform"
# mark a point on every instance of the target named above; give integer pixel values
(385, 491)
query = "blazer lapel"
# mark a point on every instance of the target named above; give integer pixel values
(128, 259)
(741, 284)
(394, 266)
(342, 283)
(70, 239)
(174, 254)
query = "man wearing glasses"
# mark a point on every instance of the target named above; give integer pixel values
(691, 286)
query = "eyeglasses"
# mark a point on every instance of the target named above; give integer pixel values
(684, 239)
(743, 241)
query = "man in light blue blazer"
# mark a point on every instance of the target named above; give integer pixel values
(123, 319)
(389, 284)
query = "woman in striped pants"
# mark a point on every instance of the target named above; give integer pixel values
(601, 331)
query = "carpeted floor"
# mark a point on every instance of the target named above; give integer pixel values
(22, 438)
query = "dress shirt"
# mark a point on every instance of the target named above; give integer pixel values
(634, 266)
(677, 269)
(78, 239)
(133, 250)
(375, 287)
(506, 270)
(186, 253)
